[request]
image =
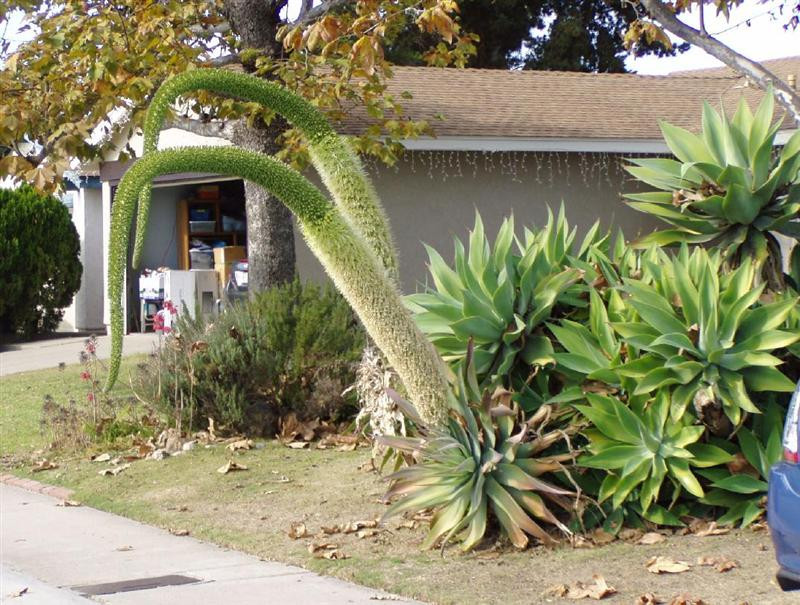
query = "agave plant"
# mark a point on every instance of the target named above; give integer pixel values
(641, 446)
(705, 334)
(727, 186)
(487, 464)
(740, 484)
(499, 296)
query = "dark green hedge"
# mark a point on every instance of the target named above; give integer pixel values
(40, 266)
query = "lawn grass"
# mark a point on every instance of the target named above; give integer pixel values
(252, 510)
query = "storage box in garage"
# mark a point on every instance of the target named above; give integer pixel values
(224, 258)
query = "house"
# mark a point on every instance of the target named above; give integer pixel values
(509, 141)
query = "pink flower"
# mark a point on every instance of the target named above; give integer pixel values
(90, 396)
(85, 375)
(169, 306)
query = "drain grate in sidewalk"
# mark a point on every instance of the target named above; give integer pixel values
(131, 585)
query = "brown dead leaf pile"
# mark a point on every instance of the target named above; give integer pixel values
(597, 589)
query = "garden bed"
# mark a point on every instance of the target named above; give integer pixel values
(254, 510)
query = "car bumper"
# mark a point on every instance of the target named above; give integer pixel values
(783, 515)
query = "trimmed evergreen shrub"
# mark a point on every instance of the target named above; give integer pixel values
(40, 268)
(293, 349)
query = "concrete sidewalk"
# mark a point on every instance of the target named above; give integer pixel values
(49, 353)
(61, 555)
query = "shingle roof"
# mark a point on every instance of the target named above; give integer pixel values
(566, 105)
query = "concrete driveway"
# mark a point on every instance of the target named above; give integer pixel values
(49, 353)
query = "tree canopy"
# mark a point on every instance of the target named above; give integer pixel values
(82, 83)
(567, 35)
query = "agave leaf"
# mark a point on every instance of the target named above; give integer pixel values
(705, 455)
(767, 379)
(686, 146)
(679, 469)
(512, 475)
(712, 132)
(741, 484)
(448, 518)
(739, 205)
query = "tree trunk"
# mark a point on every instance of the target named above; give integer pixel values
(270, 237)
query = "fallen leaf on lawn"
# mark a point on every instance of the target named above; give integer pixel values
(648, 598)
(240, 444)
(297, 445)
(366, 533)
(407, 524)
(353, 526)
(124, 548)
(101, 457)
(291, 429)
(685, 599)
(44, 465)
(316, 547)
(347, 447)
(597, 589)
(113, 471)
(332, 555)
(330, 529)
(281, 479)
(652, 537)
(67, 503)
(297, 530)
(759, 526)
(179, 532)
(230, 467)
(601, 537)
(721, 564)
(702, 529)
(629, 535)
(666, 565)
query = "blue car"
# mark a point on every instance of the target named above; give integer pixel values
(783, 502)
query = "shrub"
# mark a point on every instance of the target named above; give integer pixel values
(39, 261)
(291, 349)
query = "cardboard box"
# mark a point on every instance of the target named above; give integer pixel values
(224, 258)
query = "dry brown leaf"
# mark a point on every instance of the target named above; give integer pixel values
(407, 524)
(702, 529)
(67, 503)
(297, 530)
(113, 472)
(101, 457)
(240, 444)
(230, 467)
(629, 535)
(298, 445)
(721, 564)
(685, 599)
(315, 547)
(758, 526)
(661, 564)
(334, 555)
(580, 542)
(330, 529)
(347, 447)
(291, 429)
(44, 465)
(652, 537)
(601, 537)
(597, 589)
(366, 533)
(179, 532)
(649, 598)
(124, 548)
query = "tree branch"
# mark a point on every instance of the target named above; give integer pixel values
(218, 129)
(312, 14)
(223, 60)
(761, 76)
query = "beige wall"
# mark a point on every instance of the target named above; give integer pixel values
(432, 196)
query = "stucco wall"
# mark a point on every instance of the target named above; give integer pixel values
(432, 196)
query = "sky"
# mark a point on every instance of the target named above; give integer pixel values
(764, 38)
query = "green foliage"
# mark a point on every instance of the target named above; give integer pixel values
(641, 446)
(726, 186)
(39, 261)
(291, 349)
(487, 464)
(498, 297)
(705, 332)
